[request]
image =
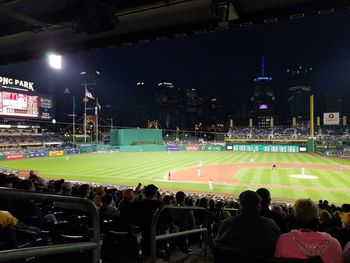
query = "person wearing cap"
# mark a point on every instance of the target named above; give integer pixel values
(306, 242)
(248, 236)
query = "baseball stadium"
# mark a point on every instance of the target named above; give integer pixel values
(191, 131)
(143, 155)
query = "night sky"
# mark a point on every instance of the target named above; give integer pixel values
(222, 63)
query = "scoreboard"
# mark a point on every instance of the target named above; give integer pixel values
(14, 104)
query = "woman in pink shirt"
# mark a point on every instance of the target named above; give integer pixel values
(306, 242)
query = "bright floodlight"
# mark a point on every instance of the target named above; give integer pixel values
(55, 61)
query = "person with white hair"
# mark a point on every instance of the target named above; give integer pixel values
(306, 242)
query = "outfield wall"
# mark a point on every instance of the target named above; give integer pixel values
(92, 148)
(124, 137)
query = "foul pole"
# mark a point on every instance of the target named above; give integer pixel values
(96, 114)
(312, 122)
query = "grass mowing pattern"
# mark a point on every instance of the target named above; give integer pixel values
(146, 167)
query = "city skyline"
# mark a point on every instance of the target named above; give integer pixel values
(223, 64)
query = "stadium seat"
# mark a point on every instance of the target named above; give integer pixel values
(121, 242)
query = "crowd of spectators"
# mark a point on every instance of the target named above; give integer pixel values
(338, 153)
(249, 229)
(26, 139)
(300, 131)
(31, 144)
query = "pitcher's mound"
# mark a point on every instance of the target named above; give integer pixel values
(304, 176)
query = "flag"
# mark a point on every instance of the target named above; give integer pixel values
(88, 94)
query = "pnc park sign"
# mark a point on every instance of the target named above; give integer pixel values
(16, 82)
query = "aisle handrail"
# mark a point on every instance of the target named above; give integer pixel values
(154, 237)
(21, 253)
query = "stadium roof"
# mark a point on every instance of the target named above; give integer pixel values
(29, 28)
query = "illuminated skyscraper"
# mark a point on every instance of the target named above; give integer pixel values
(263, 100)
(298, 92)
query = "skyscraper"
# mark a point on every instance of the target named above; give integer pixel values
(263, 100)
(169, 110)
(142, 105)
(298, 92)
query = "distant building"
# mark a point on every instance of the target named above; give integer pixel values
(263, 100)
(217, 115)
(197, 107)
(142, 105)
(168, 106)
(298, 93)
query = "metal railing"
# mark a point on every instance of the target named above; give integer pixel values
(21, 253)
(155, 238)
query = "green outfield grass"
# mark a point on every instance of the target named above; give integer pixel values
(150, 167)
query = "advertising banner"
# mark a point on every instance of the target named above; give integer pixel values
(56, 153)
(265, 148)
(2, 157)
(213, 148)
(331, 118)
(173, 148)
(35, 154)
(71, 151)
(14, 156)
(192, 148)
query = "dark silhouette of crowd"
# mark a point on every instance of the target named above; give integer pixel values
(248, 229)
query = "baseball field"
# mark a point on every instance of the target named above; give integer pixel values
(297, 175)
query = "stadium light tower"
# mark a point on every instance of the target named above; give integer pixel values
(54, 60)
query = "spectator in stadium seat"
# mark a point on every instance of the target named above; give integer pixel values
(249, 233)
(35, 178)
(27, 210)
(84, 190)
(168, 199)
(265, 209)
(7, 219)
(145, 210)
(184, 219)
(57, 185)
(342, 234)
(277, 209)
(345, 208)
(325, 220)
(66, 188)
(126, 205)
(107, 211)
(97, 195)
(306, 242)
(5, 181)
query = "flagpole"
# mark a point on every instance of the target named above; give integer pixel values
(96, 113)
